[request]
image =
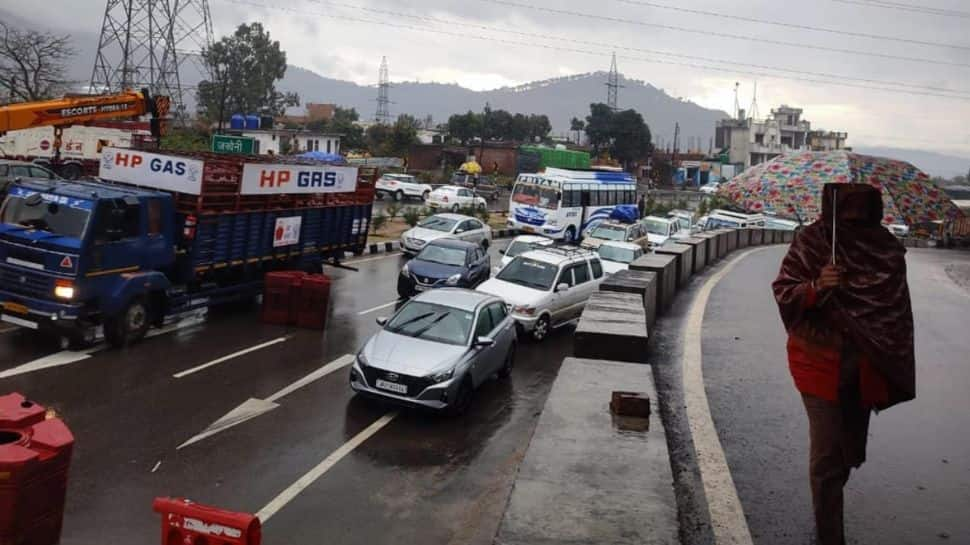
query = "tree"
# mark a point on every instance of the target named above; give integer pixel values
(577, 125)
(465, 127)
(344, 123)
(392, 140)
(630, 137)
(32, 64)
(599, 126)
(539, 127)
(244, 69)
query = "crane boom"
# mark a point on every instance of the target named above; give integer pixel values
(67, 111)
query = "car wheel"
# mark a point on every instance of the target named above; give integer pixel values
(455, 208)
(541, 329)
(485, 244)
(463, 399)
(128, 326)
(506, 370)
(570, 234)
(71, 171)
(398, 195)
(482, 205)
(425, 195)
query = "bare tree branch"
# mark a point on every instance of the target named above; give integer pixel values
(32, 64)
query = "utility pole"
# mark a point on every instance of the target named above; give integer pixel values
(673, 159)
(481, 154)
(613, 86)
(383, 115)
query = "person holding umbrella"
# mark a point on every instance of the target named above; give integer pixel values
(844, 300)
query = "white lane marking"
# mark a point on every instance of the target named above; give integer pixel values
(228, 357)
(252, 407)
(157, 465)
(7, 329)
(366, 259)
(64, 357)
(727, 514)
(311, 476)
(379, 307)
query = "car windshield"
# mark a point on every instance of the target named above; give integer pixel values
(716, 223)
(529, 273)
(432, 322)
(609, 232)
(53, 213)
(438, 223)
(541, 196)
(517, 247)
(655, 227)
(617, 254)
(442, 255)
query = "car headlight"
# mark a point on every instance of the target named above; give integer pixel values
(453, 279)
(361, 360)
(524, 310)
(442, 376)
(64, 289)
(405, 270)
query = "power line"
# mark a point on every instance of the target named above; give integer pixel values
(945, 12)
(612, 46)
(793, 25)
(710, 33)
(532, 44)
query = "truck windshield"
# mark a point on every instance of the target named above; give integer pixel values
(52, 213)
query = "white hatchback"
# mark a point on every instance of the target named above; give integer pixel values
(454, 226)
(454, 198)
(400, 186)
(546, 288)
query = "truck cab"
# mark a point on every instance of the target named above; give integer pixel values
(77, 255)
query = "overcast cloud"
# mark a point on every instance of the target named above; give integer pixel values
(442, 41)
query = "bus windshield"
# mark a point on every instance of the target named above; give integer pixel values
(536, 195)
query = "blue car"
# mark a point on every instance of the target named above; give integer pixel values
(444, 262)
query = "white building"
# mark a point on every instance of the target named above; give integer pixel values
(291, 140)
(754, 141)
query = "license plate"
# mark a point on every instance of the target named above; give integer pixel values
(18, 321)
(16, 308)
(392, 387)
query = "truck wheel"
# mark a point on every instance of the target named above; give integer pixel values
(425, 195)
(71, 171)
(570, 234)
(129, 326)
(399, 195)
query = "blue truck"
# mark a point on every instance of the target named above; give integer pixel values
(77, 257)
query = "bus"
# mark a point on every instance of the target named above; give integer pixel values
(565, 204)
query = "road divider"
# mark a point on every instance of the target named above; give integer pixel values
(252, 407)
(228, 357)
(301, 484)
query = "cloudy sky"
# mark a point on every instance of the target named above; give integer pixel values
(910, 90)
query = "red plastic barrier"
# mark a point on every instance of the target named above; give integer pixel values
(35, 454)
(187, 523)
(281, 296)
(313, 302)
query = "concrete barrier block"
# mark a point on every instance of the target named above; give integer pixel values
(744, 238)
(732, 240)
(769, 236)
(665, 266)
(721, 243)
(922, 243)
(642, 283)
(757, 237)
(711, 251)
(685, 261)
(700, 252)
(613, 327)
(788, 237)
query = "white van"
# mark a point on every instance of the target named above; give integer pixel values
(720, 219)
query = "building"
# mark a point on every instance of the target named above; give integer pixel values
(753, 141)
(315, 113)
(291, 141)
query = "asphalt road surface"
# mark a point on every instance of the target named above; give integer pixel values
(915, 485)
(421, 478)
(500, 204)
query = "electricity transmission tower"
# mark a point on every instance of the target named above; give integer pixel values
(144, 43)
(613, 85)
(383, 115)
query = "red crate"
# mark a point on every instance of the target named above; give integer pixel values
(314, 301)
(281, 297)
(35, 454)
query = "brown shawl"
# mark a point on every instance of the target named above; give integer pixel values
(872, 306)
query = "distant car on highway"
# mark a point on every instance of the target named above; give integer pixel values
(661, 230)
(523, 243)
(483, 186)
(617, 256)
(444, 263)
(454, 226)
(616, 231)
(436, 350)
(454, 198)
(898, 229)
(401, 186)
(546, 288)
(710, 188)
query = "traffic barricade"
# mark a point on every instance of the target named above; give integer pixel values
(314, 301)
(35, 454)
(281, 296)
(185, 522)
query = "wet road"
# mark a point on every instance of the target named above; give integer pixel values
(421, 478)
(915, 486)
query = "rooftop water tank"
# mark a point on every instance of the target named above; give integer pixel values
(237, 122)
(252, 122)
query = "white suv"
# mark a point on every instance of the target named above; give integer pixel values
(546, 288)
(400, 186)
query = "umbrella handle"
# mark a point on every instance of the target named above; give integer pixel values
(835, 215)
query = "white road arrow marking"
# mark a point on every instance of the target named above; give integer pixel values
(228, 357)
(252, 407)
(65, 357)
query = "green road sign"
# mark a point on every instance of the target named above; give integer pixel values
(222, 143)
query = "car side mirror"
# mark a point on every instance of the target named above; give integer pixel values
(502, 251)
(381, 321)
(459, 231)
(483, 342)
(562, 287)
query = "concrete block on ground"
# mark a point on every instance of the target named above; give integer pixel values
(744, 238)
(711, 239)
(685, 261)
(732, 240)
(613, 327)
(769, 236)
(757, 237)
(665, 266)
(588, 476)
(721, 243)
(788, 236)
(922, 243)
(700, 252)
(642, 283)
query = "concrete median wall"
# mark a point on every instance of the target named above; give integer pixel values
(744, 238)
(685, 261)
(665, 266)
(757, 237)
(700, 252)
(642, 283)
(711, 239)
(732, 239)
(613, 327)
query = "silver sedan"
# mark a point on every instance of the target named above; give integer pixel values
(437, 349)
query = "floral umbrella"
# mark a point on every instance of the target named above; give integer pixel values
(791, 186)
